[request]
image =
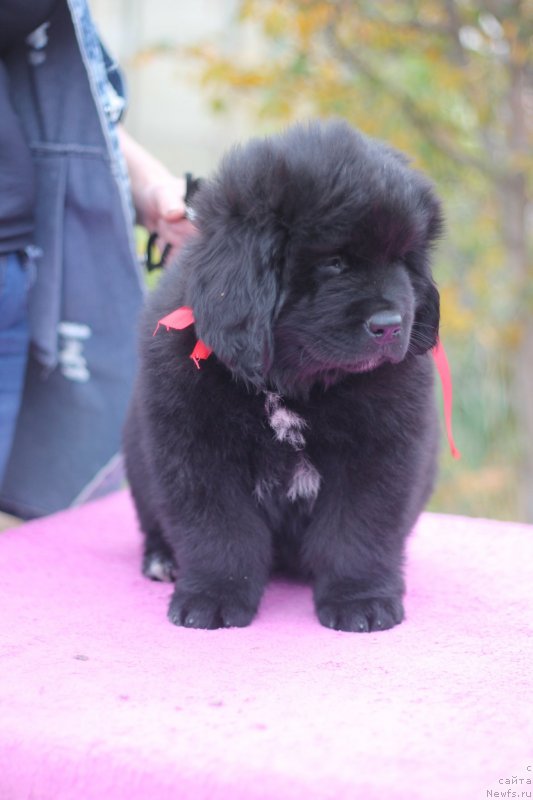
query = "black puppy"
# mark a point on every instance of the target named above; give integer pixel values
(307, 441)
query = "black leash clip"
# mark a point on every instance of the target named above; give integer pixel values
(191, 187)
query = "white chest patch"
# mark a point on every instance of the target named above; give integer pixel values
(305, 481)
(288, 426)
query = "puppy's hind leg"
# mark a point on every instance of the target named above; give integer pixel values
(158, 561)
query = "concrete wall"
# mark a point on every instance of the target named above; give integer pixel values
(168, 112)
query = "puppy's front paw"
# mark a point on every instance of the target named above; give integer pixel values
(361, 616)
(223, 607)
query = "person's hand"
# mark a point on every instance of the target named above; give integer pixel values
(158, 195)
(161, 209)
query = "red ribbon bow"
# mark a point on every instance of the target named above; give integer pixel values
(183, 317)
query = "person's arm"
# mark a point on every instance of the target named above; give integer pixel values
(158, 195)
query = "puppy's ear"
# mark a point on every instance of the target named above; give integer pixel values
(233, 289)
(425, 329)
(427, 312)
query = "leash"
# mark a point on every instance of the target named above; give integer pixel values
(191, 187)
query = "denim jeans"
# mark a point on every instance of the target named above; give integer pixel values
(16, 273)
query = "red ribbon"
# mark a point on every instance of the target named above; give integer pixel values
(443, 367)
(200, 353)
(183, 317)
(178, 320)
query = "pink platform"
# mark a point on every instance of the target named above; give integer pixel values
(102, 698)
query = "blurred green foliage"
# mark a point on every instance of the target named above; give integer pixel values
(448, 82)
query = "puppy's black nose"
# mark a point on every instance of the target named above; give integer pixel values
(384, 326)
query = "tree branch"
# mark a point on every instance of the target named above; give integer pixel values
(454, 30)
(411, 109)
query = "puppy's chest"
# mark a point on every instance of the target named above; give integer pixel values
(287, 471)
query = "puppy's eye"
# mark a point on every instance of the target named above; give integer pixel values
(332, 266)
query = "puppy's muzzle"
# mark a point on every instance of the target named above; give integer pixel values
(384, 327)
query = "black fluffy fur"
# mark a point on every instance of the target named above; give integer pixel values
(301, 239)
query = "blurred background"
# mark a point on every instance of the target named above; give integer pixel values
(447, 81)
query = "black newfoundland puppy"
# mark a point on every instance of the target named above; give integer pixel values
(306, 442)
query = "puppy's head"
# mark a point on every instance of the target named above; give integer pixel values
(312, 259)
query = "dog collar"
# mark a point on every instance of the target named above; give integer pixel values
(183, 317)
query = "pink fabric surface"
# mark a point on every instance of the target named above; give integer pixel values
(101, 697)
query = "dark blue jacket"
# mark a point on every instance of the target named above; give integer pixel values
(88, 291)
